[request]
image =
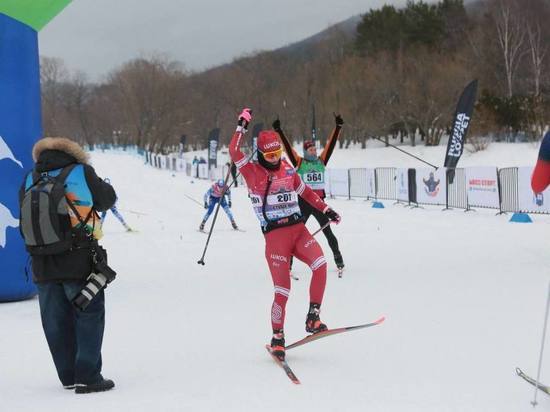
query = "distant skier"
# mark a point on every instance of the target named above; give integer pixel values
(115, 212)
(118, 215)
(211, 199)
(274, 187)
(311, 169)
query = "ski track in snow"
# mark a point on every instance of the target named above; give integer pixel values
(463, 295)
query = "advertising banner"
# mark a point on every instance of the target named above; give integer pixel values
(213, 141)
(430, 184)
(411, 175)
(203, 171)
(402, 189)
(482, 187)
(463, 116)
(20, 128)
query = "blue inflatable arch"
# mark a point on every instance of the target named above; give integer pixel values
(20, 128)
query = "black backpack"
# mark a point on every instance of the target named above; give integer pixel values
(44, 219)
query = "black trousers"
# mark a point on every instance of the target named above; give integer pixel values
(307, 211)
(74, 337)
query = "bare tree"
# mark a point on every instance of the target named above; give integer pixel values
(148, 92)
(537, 53)
(53, 74)
(511, 34)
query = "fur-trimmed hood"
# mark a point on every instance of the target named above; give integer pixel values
(62, 144)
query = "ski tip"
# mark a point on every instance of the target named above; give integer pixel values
(519, 371)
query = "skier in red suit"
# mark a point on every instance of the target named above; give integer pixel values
(274, 187)
(541, 175)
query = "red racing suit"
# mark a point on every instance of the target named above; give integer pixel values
(274, 195)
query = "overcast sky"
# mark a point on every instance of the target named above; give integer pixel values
(96, 36)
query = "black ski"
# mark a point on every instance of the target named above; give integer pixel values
(330, 332)
(284, 365)
(544, 388)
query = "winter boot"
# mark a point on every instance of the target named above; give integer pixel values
(201, 227)
(234, 225)
(278, 344)
(313, 323)
(101, 386)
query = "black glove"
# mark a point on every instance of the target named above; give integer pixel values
(276, 124)
(338, 120)
(205, 205)
(333, 216)
(229, 203)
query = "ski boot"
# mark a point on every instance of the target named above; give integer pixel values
(313, 323)
(278, 344)
(339, 264)
(234, 225)
(201, 227)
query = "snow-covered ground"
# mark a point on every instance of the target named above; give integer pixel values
(463, 295)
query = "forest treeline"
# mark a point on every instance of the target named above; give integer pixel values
(398, 74)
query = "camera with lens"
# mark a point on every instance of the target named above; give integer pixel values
(102, 274)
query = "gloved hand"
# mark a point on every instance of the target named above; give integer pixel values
(205, 205)
(229, 203)
(245, 117)
(333, 216)
(338, 120)
(276, 124)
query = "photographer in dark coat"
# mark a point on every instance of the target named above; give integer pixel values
(69, 267)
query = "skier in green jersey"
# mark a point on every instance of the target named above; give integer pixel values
(311, 169)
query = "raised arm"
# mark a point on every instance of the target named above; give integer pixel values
(331, 142)
(237, 156)
(293, 156)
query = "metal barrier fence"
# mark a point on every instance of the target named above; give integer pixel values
(358, 186)
(508, 189)
(512, 187)
(457, 192)
(385, 183)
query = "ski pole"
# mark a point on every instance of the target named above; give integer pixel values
(120, 218)
(134, 212)
(102, 219)
(321, 228)
(401, 150)
(534, 403)
(225, 189)
(196, 201)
